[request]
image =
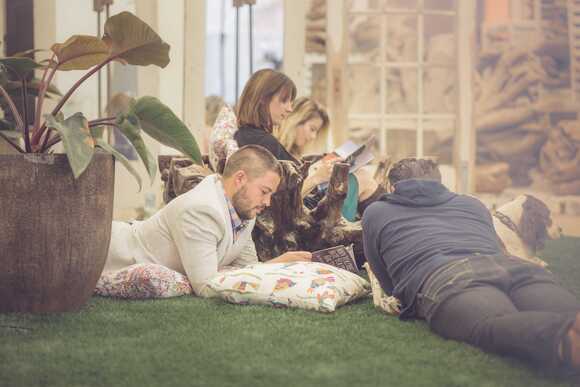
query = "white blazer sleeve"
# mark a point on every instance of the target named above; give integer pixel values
(248, 255)
(196, 234)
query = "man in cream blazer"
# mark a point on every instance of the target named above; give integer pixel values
(207, 228)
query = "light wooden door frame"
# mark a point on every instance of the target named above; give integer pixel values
(337, 82)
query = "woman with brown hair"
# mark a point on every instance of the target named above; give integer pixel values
(265, 102)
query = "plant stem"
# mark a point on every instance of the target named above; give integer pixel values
(44, 84)
(69, 93)
(39, 110)
(24, 95)
(13, 109)
(105, 124)
(47, 144)
(40, 93)
(43, 147)
(101, 120)
(15, 146)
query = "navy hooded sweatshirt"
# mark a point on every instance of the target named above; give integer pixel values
(418, 228)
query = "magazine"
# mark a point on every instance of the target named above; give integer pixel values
(338, 256)
(355, 155)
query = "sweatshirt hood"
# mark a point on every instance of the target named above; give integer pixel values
(419, 193)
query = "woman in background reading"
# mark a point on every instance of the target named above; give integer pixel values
(301, 127)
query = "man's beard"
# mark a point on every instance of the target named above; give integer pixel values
(242, 204)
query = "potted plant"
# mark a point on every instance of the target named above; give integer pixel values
(57, 208)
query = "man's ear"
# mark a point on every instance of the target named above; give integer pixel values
(240, 178)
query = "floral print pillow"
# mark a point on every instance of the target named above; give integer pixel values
(221, 138)
(306, 285)
(142, 281)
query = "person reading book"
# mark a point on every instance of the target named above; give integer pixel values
(207, 228)
(300, 128)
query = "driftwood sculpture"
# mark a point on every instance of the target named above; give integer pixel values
(179, 175)
(287, 224)
(512, 117)
(560, 158)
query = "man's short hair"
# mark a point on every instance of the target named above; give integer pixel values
(413, 168)
(254, 160)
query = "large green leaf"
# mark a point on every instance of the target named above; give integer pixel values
(133, 41)
(76, 137)
(158, 121)
(80, 52)
(19, 66)
(119, 156)
(129, 126)
(97, 132)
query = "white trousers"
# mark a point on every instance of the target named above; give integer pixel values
(122, 247)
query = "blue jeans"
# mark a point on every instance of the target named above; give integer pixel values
(500, 304)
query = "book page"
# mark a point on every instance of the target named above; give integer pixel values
(347, 149)
(361, 160)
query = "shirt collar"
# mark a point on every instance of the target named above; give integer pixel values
(237, 223)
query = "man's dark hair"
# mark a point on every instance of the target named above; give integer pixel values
(254, 160)
(413, 168)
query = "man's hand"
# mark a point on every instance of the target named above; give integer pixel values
(293, 256)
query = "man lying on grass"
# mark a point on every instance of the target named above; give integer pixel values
(207, 228)
(438, 253)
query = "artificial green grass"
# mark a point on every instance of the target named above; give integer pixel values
(194, 342)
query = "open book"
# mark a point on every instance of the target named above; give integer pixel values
(355, 155)
(338, 256)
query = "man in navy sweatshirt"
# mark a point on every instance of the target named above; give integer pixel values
(438, 253)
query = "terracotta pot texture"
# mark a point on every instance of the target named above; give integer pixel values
(54, 231)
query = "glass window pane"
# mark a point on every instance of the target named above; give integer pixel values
(316, 27)
(364, 35)
(523, 10)
(361, 130)
(402, 4)
(364, 90)
(438, 139)
(316, 83)
(440, 5)
(220, 64)
(401, 90)
(439, 91)
(401, 143)
(365, 5)
(401, 38)
(439, 43)
(438, 145)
